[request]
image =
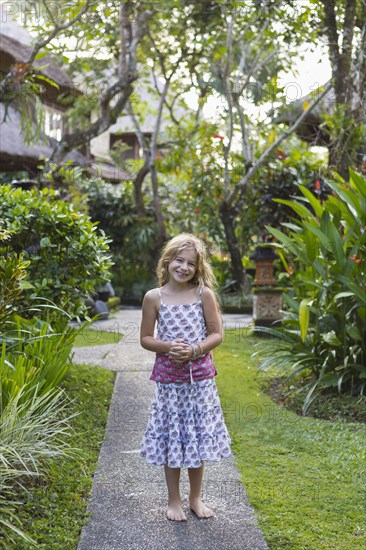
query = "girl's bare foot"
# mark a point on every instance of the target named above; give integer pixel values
(200, 509)
(175, 512)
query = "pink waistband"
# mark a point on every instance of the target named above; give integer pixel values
(165, 370)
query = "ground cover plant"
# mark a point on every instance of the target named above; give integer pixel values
(304, 476)
(54, 506)
(329, 406)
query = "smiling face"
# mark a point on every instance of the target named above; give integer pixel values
(176, 251)
(183, 267)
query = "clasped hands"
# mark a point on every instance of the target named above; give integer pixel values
(180, 351)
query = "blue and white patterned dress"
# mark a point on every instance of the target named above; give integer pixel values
(186, 424)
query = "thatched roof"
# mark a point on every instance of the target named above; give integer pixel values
(20, 54)
(10, 28)
(15, 155)
(16, 47)
(109, 172)
(13, 151)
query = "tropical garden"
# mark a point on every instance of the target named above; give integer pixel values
(224, 153)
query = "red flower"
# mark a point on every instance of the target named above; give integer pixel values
(355, 259)
(317, 184)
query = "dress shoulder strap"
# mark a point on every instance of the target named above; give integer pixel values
(200, 291)
(161, 298)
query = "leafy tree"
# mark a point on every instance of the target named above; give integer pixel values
(343, 23)
(251, 63)
(112, 207)
(168, 51)
(234, 51)
(133, 239)
(244, 48)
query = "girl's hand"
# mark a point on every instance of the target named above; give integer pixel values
(180, 351)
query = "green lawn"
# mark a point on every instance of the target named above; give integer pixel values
(93, 337)
(303, 476)
(55, 508)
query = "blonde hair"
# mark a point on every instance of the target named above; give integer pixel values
(204, 274)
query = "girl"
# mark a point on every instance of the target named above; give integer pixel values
(186, 424)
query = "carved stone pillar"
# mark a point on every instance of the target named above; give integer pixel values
(267, 299)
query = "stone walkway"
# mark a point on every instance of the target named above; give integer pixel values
(128, 500)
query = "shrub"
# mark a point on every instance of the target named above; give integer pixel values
(34, 357)
(34, 354)
(67, 256)
(112, 207)
(12, 283)
(324, 328)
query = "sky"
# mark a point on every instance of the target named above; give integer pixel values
(311, 72)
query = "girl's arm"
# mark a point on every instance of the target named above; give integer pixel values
(150, 309)
(213, 321)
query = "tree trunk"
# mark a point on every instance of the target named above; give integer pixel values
(227, 216)
(137, 190)
(340, 56)
(161, 237)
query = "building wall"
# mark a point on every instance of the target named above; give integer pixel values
(99, 146)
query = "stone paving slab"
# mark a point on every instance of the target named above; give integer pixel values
(93, 355)
(129, 497)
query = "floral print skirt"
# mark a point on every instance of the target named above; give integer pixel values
(186, 426)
